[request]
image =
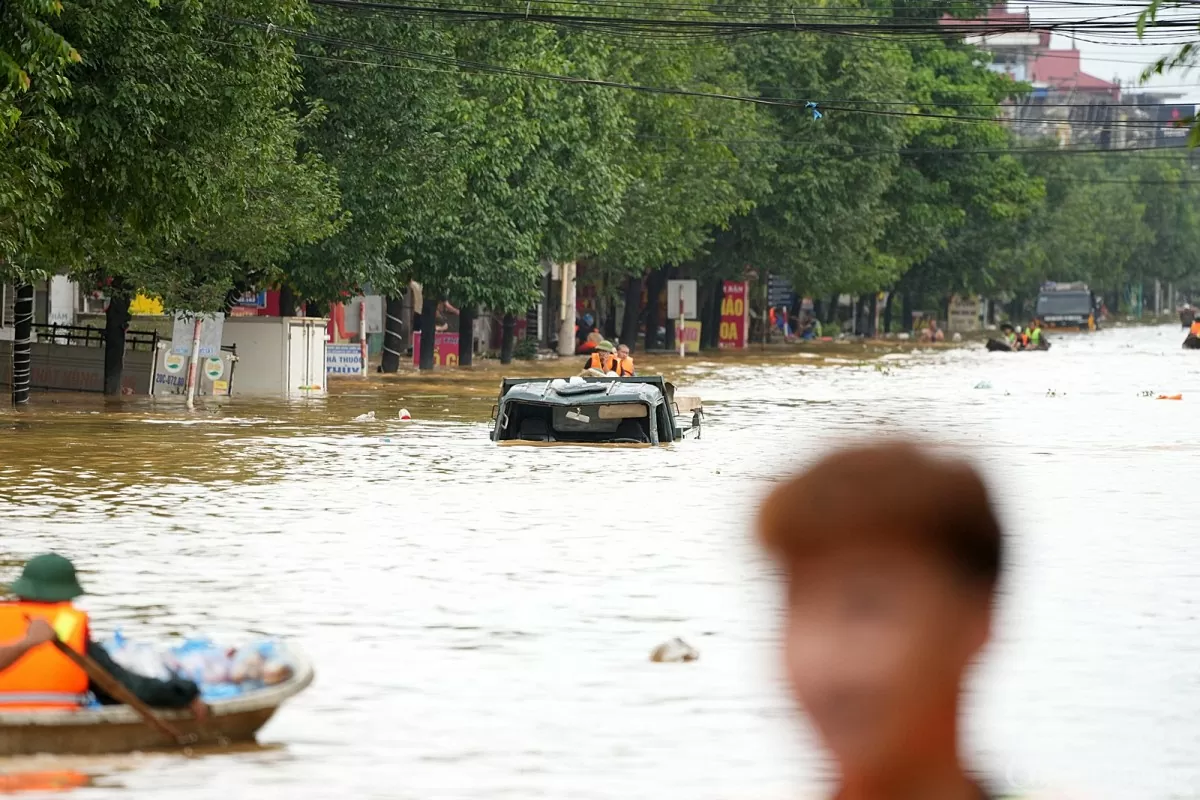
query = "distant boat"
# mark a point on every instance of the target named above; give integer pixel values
(997, 346)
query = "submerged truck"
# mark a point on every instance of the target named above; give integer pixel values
(1066, 306)
(594, 410)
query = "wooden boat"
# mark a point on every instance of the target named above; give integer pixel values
(118, 729)
(1192, 342)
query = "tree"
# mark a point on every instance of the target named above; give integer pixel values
(184, 180)
(33, 60)
(959, 196)
(827, 205)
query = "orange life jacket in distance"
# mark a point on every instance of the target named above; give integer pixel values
(602, 362)
(1195, 331)
(43, 679)
(623, 367)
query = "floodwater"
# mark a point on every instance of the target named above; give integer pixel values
(480, 617)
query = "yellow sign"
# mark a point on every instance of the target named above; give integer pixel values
(220, 388)
(145, 305)
(691, 336)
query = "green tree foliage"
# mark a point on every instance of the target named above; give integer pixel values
(33, 59)
(958, 193)
(686, 178)
(826, 207)
(184, 180)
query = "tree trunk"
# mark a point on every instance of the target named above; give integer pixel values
(506, 338)
(831, 317)
(287, 302)
(818, 309)
(872, 315)
(116, 322)
(22, 352)
(633, 309)
(610, 321)
(711, 331)
(887, 312)
(466, 334)
(547, 329)
(393, 345)
(991, 311)
(906, 322)
(429, 305)
(566, 330)
(654, 288)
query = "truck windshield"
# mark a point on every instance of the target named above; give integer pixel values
(1055, 304)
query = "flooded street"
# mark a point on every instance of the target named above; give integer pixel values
(480, 617)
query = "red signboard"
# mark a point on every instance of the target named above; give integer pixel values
(445, 349)
(734, 313)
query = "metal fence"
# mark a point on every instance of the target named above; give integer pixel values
(87, 336)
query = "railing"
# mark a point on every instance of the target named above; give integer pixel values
(87, 336)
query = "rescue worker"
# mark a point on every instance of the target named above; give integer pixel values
(601, 358)
(1010, 336)
(1023, 338)
(36, 676)
(1035, 333)
(623, 362)
(1195, 329)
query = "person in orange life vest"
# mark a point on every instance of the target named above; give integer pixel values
(1195, 329)
(40, 677)
(38, 632)
(623, 362)
(601, 358)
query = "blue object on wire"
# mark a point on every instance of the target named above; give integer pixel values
(816, 112)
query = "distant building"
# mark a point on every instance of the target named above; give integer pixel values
(1067, 104)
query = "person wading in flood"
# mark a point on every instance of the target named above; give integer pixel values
(35, 676)
(891, 557)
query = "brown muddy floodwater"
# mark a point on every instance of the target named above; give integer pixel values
(481, 617)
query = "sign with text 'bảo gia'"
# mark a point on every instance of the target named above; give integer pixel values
(734, 311)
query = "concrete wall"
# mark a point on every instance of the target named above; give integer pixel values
(79, 369)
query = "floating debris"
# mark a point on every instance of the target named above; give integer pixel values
(983, 385)
(673, 652)
(404, 415)
(367, 417)
(1169, 397)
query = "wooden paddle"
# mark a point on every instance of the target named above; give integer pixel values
(114, 689)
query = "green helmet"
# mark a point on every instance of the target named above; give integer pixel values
(48, 578)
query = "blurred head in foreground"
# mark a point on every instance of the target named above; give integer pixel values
(891, 555)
